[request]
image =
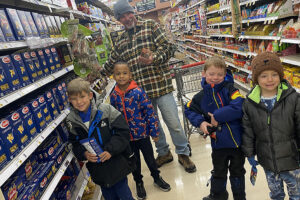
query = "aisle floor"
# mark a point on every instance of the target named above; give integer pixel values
(186, 186)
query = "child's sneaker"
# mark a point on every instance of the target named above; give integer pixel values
(161, 184)
(140, 191)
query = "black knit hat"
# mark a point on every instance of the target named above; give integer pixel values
(266, 61)
(122, 7)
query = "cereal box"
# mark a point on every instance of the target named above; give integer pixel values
(15, 23)
(32, 25)
(21, 69)
(36, 62)
(30, 66)
(38, 24)
(2, 38)
(44, 109)
(5, 87)
(10, 140)
(5, 26)
(29, 121)
(38, 116)
(19, 129)
(11, 73)
(53, 109)
(49, 60)
(25, 23)
(43, 63)
(55, 58)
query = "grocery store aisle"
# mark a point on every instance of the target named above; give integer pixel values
(186, 186)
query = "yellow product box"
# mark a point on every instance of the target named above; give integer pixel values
(296, 80)
(289, 73)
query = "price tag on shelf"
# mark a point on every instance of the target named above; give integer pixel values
(266, 21)
(49, 7)
(273, 21)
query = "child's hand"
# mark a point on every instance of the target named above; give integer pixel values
(155, 139)
(91, 157)
(213, 120)
(105, 156)
(203, 127)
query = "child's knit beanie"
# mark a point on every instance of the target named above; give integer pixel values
(266, 61)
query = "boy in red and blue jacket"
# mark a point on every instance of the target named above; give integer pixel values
(134, 104)
(219, 105)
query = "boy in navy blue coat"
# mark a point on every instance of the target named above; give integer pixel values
(219, 105)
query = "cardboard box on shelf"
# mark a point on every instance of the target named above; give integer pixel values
(15, 23)
(21, 69)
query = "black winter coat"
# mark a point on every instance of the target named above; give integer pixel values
(274, 136)
(115, 136)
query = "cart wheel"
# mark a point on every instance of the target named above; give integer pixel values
(190, 148)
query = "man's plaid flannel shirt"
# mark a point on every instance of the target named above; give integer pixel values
(155, 79)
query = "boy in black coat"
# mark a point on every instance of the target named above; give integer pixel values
(89, 118)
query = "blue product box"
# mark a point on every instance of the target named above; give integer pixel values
(26, 169)
(54, 25)
(49, 25)
(30, 67)
(65, 189)
(43, 63)
(4, 157)
(5, 26)
(58, 22)
(18, 129)
(45, 109)
(2, 38)
(47, 150)
(5, 87)
(76, 166)
(25, 23)
(11, 73)
(15, 23)
(21, 69)
(29, 121)
(56, 99)
(59, 155)
(52, 106)
(10, 140)
(44, 24)
(37, 64)
(34, 30)
(63, 132)
(92, 146)
(49, 60)
(38, 116)
(38, 24)
(13, 187)
(55, 58)
(31, 192)
(62, 97)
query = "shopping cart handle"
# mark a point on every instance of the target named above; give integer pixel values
(192, 65)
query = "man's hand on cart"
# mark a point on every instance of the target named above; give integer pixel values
(213, 121)
(146, 57)
(155, 139)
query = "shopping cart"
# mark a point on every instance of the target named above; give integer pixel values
(188, 80)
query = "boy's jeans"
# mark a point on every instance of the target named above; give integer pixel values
(169, 112)
(275, 183)
(119, 191)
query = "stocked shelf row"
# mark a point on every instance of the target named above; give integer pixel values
(14, 164)
(32, 87)
(60, 172)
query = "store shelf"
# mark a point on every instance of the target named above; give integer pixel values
(260, 19)
(292, 40)
(239, 68)
(202, 36)
(188, 47)
(200, 2)
(60, 172)
(292, 59)
(228, 8)
(14, 164)
(80, 184)
(34, 86)
(250, 2)
(258, 37)
(220, 24)
(189, 40)
(4, 46)
(230, 50)
(212, 12)
(222, 35)
(205, 54)
(242, 85)
(193, 58)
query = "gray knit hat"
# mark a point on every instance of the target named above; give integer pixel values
(121, 7)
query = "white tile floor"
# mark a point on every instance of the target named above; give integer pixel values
(186, 186)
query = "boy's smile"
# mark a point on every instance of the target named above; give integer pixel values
(81, 101)
(214, 75)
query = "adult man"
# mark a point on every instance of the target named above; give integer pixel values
(145, 48)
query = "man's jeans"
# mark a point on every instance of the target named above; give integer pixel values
(169, 112)
(275, 183)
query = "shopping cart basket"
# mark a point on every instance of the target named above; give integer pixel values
(188, 80)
